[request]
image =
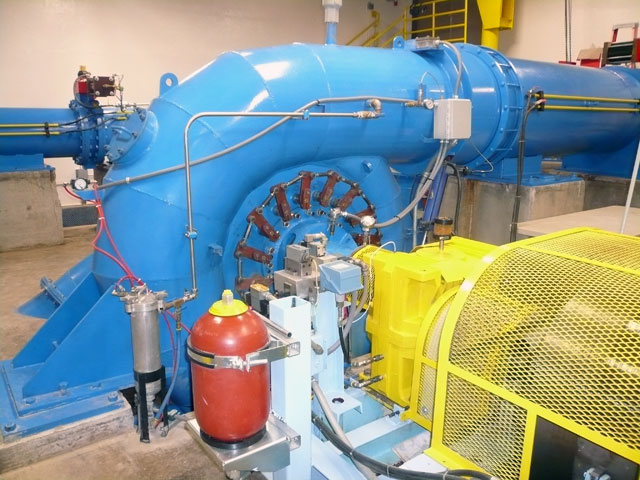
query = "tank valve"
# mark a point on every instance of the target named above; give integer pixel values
(442, 229)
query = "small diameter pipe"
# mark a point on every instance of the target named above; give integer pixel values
(28, 125)
(165, 401)
(460, 66)
(591, 109)
(632, 184)
(253, 138)
(554, 96)
(300, 112)
(191, 233)
(333, 421)
(27, 134)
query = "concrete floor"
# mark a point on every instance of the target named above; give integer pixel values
(122, 457)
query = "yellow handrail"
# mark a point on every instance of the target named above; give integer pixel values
(386, 30)
(375, 24)
(403, 26)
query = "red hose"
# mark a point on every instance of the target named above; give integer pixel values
(187, 329)
(104, 227)
(66, 189)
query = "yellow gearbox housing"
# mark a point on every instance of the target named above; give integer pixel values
(405, 286)
(540, 346)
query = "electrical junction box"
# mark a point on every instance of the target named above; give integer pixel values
(340, 277)
(452, 119)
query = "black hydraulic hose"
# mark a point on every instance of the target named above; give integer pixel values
(389, 470)
(516, 204)
(456, 216)
(343, 345)
(465, 472)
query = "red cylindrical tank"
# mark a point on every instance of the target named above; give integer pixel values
(231, 405)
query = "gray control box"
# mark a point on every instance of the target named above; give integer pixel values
(452, 119)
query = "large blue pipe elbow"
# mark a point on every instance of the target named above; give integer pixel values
(283, 79)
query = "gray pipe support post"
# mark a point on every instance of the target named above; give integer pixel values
(632, 184)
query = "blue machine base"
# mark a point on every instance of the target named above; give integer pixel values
(529, 180)
(382, 440)
(22, 416)
(76, 363)
(506, 172)
(22, 163)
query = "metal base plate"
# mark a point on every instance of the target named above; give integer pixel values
(269, 454)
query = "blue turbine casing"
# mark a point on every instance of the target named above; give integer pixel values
(84, 348)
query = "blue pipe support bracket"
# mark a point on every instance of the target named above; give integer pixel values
(85, 343)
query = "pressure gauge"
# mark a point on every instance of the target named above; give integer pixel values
(428, 104)
(79, 183)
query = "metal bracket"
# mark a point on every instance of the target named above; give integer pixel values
(280, 346)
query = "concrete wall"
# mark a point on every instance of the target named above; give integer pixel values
(487, 207)
(29, 210)
(538, 32)
(42, 42)
(605, 191)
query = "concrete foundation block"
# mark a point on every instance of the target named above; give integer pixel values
(30, 211)
(487, 207)
(63, 439)
(606, 191)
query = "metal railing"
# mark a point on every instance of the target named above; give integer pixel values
(371, 29)
(403, 25)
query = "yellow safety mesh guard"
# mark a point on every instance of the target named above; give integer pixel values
(423, 387)
(549, 326)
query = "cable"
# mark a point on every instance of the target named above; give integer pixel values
(104, 227)
(72, 194)
(92, 127)
(422, 190)
(390, 470)
(516, 204)
(97, 114)
(356, 308)
(459, 196)
(343, 345)
(435, 80)
(483, 157)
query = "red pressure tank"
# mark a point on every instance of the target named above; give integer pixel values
(231, 405)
